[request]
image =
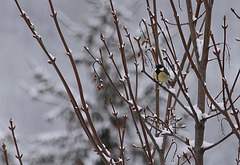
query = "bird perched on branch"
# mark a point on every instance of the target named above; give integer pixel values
(161, 74)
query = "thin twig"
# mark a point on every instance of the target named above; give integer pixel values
(12, 128)
(192, 28)
(235, 13)
(4, 150)
(115, 114)
(193, 154)
(135, 61)
(235, 81)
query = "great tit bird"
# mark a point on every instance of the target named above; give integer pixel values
(161, 74)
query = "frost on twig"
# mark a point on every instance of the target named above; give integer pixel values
(200, 115)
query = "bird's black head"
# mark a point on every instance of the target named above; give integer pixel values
(159, 66)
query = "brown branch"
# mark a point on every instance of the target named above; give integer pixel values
(147, 38)
(172, 49)
(135, 61)
(121, 135)
(235, 81)
(4, 150)
(12, 128)
(193, 154)
(235, 13)
(153, 25)
(192, 29)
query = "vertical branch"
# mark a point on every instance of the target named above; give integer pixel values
(238, 155)
(222, 66)
(224, 26)
(147, 38)
(192, 28)
(135, 61)
(141, 52)
(200, 127)
(155, 31)
(156, 55)
(171, 45)
(122, 149)
(121, 136)
(203, 63)
(4, 150)
(12, 128)
(201, 74)
(153, 23)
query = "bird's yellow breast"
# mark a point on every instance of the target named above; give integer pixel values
(162, 77)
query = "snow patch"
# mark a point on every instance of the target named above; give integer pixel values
(194, 18)
(206, 144)
(236, 126)
(139, 107)
(159, 140)
(122, 79)
(165, 131)
(130, 101)
(200, 115)
(172, 90)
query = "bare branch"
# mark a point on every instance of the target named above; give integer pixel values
(4, 150)
(235, 13)
(12, 128)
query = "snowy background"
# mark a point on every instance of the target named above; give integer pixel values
(19, 53)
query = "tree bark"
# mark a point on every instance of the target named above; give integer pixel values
(199, 138)
(200, 125)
